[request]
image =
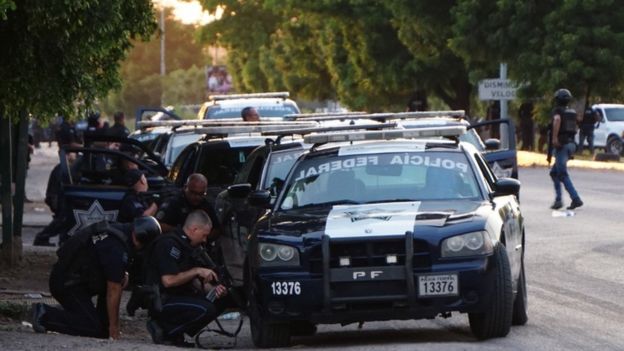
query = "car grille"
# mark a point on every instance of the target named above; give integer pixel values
(369, 253)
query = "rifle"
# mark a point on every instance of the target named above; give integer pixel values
(550, 146)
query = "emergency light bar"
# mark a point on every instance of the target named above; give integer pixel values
(304, 131)
(450, 131)
(279, 94)
(296, 116)
(392, 115)
(219, 123)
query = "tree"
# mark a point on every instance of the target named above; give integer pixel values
(58, 53)
(574, 44)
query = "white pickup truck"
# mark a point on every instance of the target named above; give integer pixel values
(609, 132)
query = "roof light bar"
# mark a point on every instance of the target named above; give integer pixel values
(392, 115)
(278, 94)
(219, 123)
(297, 116)
(304, 131)
(451, 131)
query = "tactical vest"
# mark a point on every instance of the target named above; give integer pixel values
(75, 257)
(568, 126)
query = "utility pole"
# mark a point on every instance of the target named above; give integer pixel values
(162, 48)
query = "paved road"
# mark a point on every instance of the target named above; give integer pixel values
(575, 273)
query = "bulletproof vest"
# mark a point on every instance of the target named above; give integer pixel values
(589, 117)
(568, 126)
(75, 257)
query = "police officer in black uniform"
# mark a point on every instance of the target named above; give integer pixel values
(135, 204)
(119, 127)
(191, 293)
(562, 132)
(586, 129)
(173, 211)
(93, 262)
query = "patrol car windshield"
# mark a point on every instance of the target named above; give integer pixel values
(377, 178)
(279, 165)
(218, 112)
(615, 114)
(220, 166)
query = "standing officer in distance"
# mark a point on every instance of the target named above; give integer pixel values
(92, 262)
(562, 132)
(586, 129)
(192, 294)
(249, 114)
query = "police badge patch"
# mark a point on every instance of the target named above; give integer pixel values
(175, 253)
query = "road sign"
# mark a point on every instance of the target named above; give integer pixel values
(497, 89)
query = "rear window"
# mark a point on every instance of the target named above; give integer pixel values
(217, 112)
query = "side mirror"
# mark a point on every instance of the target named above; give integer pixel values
(507, 186)
(260, 198)
(239, 190)
(492, 144)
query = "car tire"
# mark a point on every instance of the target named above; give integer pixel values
(614, 146)
(263, 334)
(520, 309)
(496, 320)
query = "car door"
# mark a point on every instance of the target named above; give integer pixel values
(502, 160)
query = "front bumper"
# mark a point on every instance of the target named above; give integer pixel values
(374, 293)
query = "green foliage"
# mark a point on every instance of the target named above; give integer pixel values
(6, 5)
(58, 52)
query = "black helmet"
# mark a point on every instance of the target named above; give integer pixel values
(146, 229)
(563, 97)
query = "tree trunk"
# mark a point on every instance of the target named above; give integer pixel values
(6, 169)
(21, 149)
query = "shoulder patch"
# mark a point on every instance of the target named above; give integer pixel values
(174, 252)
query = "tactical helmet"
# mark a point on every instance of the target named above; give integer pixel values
(146, 229)
(563, 97)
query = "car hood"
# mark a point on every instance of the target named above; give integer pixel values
(395, 218)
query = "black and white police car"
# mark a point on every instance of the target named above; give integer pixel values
(384, 226)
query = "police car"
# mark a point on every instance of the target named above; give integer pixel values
(383, 226)
(149, 133)
(93, 186)
(269, 105)
(221, 152)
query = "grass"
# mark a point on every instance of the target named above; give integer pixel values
(535, 159)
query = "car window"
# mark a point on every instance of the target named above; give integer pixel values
(472, 137)
(279, 164)
(615, 114)
(218, 112)
(410, 176)
(220, 166)
(183, 166)
(177, 143)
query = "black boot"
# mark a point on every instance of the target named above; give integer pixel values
(575, 203)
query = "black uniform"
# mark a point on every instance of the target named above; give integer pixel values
(174, 211)
(67, 134)
(132, 206)
(74, 281)
(52, 199)
(185, 308)
(118, 130)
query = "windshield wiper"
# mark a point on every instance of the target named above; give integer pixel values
(330, 203)
(390, 200)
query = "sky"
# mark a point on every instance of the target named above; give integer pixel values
(188, 12)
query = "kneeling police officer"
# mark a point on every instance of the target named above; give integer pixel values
(93, 262)
(191, 293)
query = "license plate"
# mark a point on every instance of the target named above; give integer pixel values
(438, 285)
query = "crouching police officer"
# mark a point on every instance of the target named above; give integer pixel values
(93, 262)
(190, 292)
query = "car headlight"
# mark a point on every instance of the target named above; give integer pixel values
(278, 255)
(471, 244)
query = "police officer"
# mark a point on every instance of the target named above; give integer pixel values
(134, 204)
(586, 130)
(191, 293)
(119, 127)
(563, 129)
(91, 263)
(249, 114)
(174, 210)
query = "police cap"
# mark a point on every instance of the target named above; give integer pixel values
(146, 229)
